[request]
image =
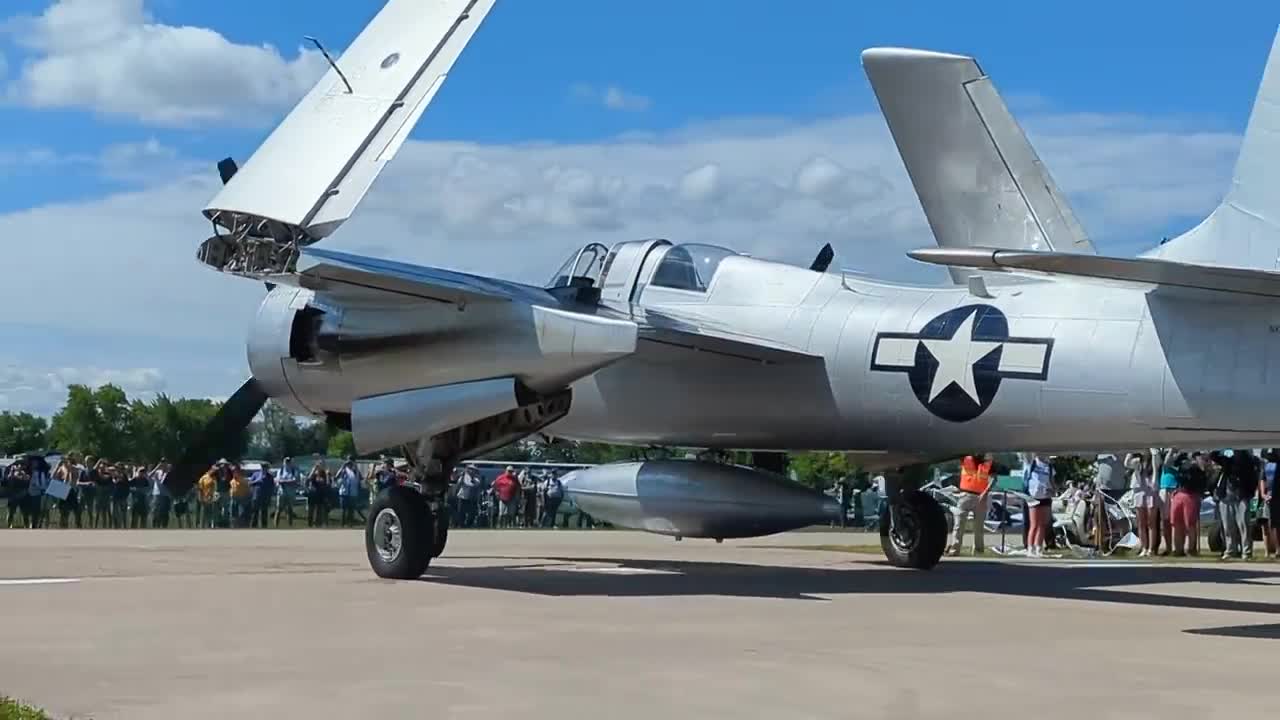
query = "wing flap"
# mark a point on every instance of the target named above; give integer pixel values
(331, 269)
(1142, 270)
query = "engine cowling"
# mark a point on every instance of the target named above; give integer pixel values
(692, 498)
(319, 353)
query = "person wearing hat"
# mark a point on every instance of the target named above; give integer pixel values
(223, 474)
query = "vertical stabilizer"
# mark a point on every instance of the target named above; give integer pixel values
(1244, 231)
(978, 179)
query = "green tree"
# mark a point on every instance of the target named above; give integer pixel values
(819, 470)
(22, 432)
(96, 422)
(165, 428)
(341, 444)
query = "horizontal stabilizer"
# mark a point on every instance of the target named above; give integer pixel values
(1144, 271)
(317, 165)
(331, 269)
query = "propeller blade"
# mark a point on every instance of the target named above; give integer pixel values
(217, 437)
(227, 169)
(823, 261)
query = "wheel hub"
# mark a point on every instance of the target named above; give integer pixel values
(388, 537)
(904, 527)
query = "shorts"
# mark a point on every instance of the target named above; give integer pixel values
(1145, 499)
(1164, 502)
(1037, 502)
(1184, 510)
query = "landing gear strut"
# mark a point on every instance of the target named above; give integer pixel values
(913, 526)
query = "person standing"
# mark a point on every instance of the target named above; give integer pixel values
(139, 494)
(1237, 484)
(1184, 507)
(1039, 482)
(349, 481)
(102, 508)
(528, 498)
(207, 499)
(1166, 467)
(223, 476)
(553, 494)
(68, 506)
(976, 480)
(263, 485)
(241, 499)
(1145, 499)
(318, 495)
(288, 480)
(120, 492)
(161, 500)
(1268, 502)
(87, 492)
(17, 480)
(468, 496)
(506, 489)
(385, 477)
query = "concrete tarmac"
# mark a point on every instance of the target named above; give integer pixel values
(554, 624)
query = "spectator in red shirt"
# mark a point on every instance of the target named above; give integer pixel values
(506, 488)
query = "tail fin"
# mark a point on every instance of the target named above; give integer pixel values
(978, 179)
(1244, 231)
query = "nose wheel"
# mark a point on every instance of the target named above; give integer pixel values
(400, 536)
(913, 531)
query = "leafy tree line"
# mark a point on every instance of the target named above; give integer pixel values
(105, 423)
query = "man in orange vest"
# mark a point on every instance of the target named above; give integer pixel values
(975, 485)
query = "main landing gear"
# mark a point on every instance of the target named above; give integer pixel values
(403, 533)
(913, 526)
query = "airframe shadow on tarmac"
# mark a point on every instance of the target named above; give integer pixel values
(648, 578)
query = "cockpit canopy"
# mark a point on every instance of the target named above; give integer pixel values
(689, 267)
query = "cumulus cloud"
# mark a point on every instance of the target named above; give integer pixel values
(145, 162)
(611, 97)
(768, 187)
(39, 390)
(112, 57)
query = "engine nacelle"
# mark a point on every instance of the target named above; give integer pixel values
(319, 353)
(692, 498)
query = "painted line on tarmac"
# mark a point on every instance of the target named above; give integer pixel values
(38, 581)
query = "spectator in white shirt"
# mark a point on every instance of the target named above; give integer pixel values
(287, 480)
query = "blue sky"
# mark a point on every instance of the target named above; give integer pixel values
(565, 121)
(698, 61)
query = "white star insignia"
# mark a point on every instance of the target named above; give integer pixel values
(956, 357)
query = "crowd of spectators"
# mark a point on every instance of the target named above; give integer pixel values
(88, 492)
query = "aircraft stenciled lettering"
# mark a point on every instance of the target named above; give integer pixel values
(956, 362)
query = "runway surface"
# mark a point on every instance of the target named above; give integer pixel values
(553, 624)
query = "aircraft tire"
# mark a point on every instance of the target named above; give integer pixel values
(399, 534)
(440, 536)
(922, 545)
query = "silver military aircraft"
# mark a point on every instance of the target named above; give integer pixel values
(1041, 342)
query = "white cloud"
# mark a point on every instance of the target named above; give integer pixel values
(611, 97)
(145, 162)
(765, 186)
(40, 390)
(112, 57)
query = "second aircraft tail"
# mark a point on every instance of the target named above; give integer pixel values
(978, 179)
